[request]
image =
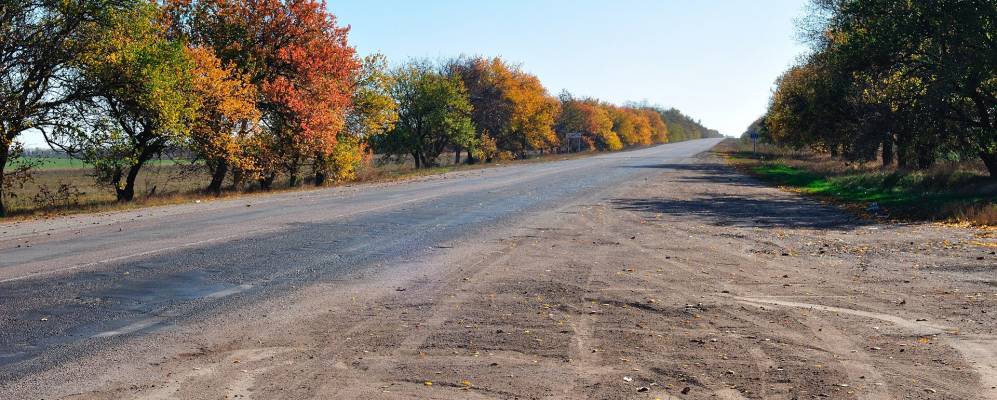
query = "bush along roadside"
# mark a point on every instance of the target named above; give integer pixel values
(947, 193)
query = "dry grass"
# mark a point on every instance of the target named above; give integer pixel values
(975, 214)
(54, 190)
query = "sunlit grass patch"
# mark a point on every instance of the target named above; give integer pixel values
(948, 192)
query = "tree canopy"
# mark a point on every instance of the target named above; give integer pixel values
(912, 81)
(433, 113)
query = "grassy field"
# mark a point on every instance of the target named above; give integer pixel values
(65, 188)
(948, 192)
(59, 163)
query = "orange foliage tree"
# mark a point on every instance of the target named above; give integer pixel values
(637, 126)
(299, 60)
(534, 112)
(512, 109)
(659, 129)
(226, 119)
(591, 119)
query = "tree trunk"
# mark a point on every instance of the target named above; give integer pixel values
(990, 160)
(266, 182)
(456, 156)
(418, 160)
(237, 177)
(4, 149)
(320, 175)
(292, 172)
(127, 193)
(925, 157)
(218, 177)
(887, 152)
(903, 151)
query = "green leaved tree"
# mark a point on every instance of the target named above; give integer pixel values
(433, 113)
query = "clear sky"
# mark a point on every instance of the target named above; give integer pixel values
(715, 60)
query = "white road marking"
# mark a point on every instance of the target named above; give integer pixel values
(148, 322)
(134, 327)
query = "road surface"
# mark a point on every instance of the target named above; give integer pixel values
(652, 273)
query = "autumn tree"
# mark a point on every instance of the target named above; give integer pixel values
(490, 110)
(226, 119)
(643, 128)
(659, 129)
(433, 113)
(39, 41)
(534, 112)
(142, 100)
(300, 61)
(631, 125)
(788, 119)
(373, 112)
(591, 119)
(623, 125)
(511, 107)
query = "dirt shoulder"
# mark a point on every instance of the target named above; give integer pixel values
(697, 284)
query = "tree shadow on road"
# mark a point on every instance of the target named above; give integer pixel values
(706, 173)
(755, 211)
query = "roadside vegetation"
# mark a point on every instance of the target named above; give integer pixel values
(257, 96)
(895, 105)
(910, 84)
(957, 192)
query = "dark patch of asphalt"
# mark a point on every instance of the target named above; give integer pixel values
(76, 307)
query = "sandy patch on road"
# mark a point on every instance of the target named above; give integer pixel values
(697, 284)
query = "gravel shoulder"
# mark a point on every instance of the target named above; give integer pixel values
(694, 283)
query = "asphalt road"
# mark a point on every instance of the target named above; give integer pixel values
(71, 285)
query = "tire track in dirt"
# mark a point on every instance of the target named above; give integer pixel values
(979, 350)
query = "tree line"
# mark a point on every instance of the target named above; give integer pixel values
(906, 82)
(261, 90)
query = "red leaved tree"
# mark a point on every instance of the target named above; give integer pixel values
(298, 57)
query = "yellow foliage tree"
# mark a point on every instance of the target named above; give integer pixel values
(511, 106)
(533, 111)
(227, 116)
(372, 113)
(659, 129)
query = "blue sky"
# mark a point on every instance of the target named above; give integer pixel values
(714, 60)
